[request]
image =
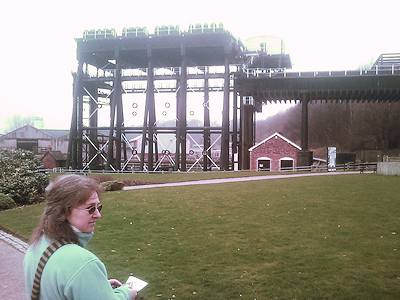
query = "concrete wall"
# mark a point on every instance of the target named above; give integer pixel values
(388, 168)
(8, 144)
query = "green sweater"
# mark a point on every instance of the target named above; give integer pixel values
(72, 272)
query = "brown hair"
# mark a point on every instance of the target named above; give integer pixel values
(62, 195)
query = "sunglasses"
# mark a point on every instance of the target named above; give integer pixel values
(92, 209)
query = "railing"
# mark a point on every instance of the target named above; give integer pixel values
(391, 159)
(281, 73)
(199, 28)
(159, 72)
(386, 64)
(337, 168)
(348, 167)
(132, 32)
(99, 34)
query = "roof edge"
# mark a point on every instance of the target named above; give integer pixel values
(270, 137)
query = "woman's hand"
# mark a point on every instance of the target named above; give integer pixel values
(133, 293)
(114, 283)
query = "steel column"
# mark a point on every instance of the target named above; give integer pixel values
(304, 156)
(151, 114)
(79, 120)
(224, 158)
(93, 123)
(146, 110)
(247, 133)
(234, 126)
(72, 145)
(240, 142)
(119, 112)
(110, 151)
(180, 155)
(304, 120)
(206, 136)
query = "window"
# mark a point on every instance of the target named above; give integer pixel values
(264, 164)
(286, 164)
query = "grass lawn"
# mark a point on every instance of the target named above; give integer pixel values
(321, 237)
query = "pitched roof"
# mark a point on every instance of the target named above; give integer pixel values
(270, 137)
(57, 155)
(54, 133)
(12, 134)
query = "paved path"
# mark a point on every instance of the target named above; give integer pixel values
(12, 249)
(236, 179)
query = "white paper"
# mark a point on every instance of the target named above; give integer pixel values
(136, 283)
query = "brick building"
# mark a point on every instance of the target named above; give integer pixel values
(273, 154)
(53, 159)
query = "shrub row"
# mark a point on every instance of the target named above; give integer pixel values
(20, 177)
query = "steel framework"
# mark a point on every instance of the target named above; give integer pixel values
(381, 83)
(202, 60)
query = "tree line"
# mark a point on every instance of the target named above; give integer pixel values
(350, 127)
(17, 121)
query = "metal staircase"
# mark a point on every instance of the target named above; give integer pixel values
(387, 61)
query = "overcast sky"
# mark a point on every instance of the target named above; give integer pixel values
(38, 50)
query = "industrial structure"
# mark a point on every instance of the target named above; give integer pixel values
(206, 60)
(202, 59)
(381, 83)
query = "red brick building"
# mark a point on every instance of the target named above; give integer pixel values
(273, 154)
(53, 159)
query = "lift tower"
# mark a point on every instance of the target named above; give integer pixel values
(204, 59)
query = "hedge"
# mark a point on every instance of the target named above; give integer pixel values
(20, 177)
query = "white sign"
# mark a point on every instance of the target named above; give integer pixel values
(331, 158)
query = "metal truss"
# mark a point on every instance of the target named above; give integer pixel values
(204, 153)
(133, 154)
(165, 154)
(99, 152)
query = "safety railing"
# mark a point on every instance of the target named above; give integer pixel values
(282, 73)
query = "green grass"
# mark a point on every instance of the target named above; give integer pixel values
(321, 237)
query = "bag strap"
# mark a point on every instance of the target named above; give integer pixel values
(42, 262)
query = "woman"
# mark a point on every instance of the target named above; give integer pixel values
(71, 272)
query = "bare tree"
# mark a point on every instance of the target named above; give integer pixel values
(348, 126)
(17, 121)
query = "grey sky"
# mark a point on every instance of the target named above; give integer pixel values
(38, 48)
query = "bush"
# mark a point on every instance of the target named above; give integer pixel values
(6, 202)
(126, 181)
(112, 185)
(20, 177)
